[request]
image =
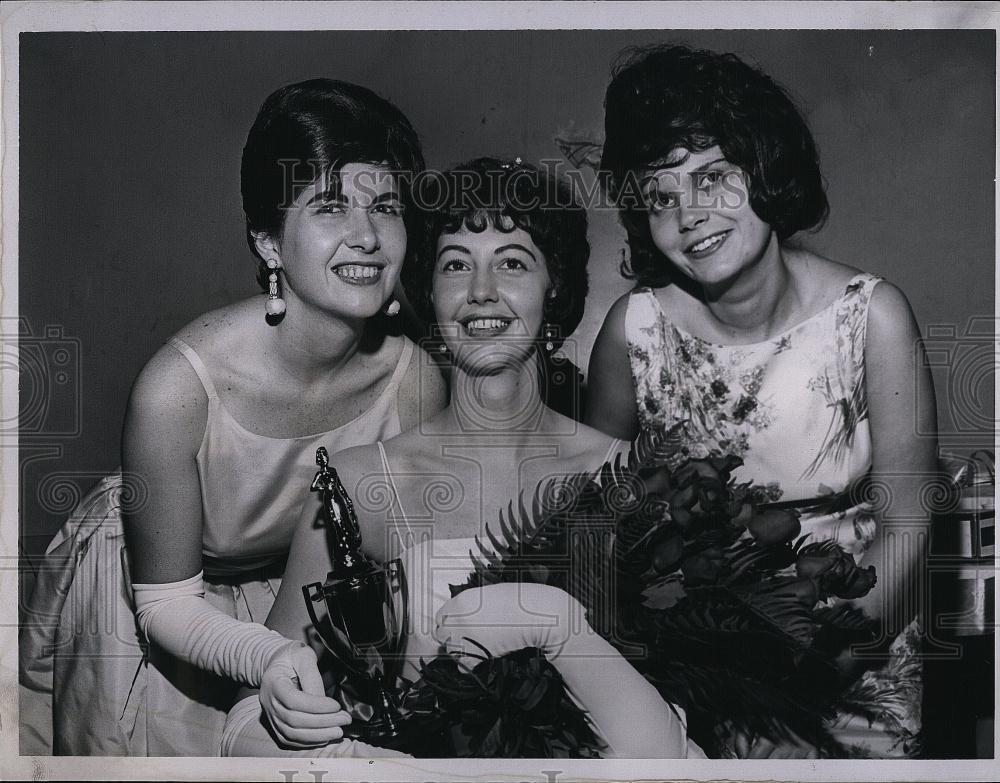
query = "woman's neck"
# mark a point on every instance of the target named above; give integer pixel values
(307, 344)
(757, 301)
(503, 402)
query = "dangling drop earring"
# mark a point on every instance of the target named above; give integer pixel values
(549, 330)
(392, 308)
(274, 305)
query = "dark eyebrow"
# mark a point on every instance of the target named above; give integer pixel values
(459, 248)
(514, 246)
(706, 166)
(651, 177)
(331, 193)
(389, 195)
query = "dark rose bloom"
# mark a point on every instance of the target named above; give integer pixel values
(665, 552)
(704, 468)
(805, 590)
(683, 498)
(681, 517)
(740, 513)
(834, 571)
(704, 567)
(857, 583)
(725, 465)
(657, 482)
(772, 527)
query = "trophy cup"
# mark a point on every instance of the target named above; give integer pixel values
(367, 611)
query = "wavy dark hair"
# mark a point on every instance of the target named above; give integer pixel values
(309, 129)
(668, 97)
(506, 195)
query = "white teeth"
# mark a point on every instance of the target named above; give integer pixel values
(487, 323)
(357, 271)
(706, 243)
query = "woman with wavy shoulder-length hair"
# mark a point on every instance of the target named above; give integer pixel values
(808, 369)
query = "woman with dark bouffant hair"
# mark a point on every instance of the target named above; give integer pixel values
(809, 370)
(221, 431)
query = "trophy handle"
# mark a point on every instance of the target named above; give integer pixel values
(313, 593)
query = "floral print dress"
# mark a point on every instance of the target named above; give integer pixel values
(794, 408)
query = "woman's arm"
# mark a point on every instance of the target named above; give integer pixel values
(164, 427)
(900, 407)
(626, 711)
(291, 712)
(611, 405)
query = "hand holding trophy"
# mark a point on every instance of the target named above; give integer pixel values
(367, 612)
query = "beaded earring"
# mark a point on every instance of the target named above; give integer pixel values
(549, 334)
(274, 305)
(548, 329)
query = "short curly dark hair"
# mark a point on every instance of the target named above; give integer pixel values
(306, 129)
(667, 97)
(505, 195)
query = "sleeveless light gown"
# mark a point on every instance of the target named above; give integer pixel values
(795, 409)
(89, 685)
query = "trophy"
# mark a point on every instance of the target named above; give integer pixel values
(367, 608)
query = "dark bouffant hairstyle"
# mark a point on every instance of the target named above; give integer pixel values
(311, 128)
(505, 195)
(666, 97)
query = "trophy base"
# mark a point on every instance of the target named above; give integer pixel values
(418, 735)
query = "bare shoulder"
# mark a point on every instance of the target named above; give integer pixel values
(611, 339)
(356, 466)
(168, 385)
(220, 333)
(821, 280)
(615, 319)
(889, 312)
(167, 412)
(589, 448)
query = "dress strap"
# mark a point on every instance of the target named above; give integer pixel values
(853, 306)
(395, 489)
(196, 364)
(402, 364)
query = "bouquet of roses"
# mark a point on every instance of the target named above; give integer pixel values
(703, 583)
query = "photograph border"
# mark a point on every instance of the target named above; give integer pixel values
(18, 17)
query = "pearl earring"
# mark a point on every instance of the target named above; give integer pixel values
(274, 305)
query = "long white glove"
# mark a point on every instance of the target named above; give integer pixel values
(246, 735)
(626, 711)
(177, 617)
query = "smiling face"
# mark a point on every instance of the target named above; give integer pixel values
(343, 242)
(489, 293)
(700, 217)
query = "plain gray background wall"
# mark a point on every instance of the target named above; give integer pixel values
(130, 219)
